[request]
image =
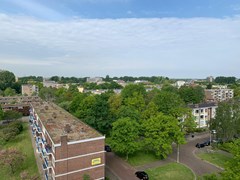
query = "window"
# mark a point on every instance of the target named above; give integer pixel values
(196, 111)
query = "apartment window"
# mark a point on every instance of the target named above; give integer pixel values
(196, 111)
(201, 110)
(201, 117)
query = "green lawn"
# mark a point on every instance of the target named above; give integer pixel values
(215, 158)
(170, 171)
(141, 158)
(23, 143)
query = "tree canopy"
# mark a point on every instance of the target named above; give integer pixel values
(125, 136)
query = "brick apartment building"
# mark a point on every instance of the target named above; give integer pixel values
(69, 149)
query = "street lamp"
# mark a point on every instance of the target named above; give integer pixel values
(212, 132)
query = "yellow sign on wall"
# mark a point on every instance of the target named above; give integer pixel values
(96, 161)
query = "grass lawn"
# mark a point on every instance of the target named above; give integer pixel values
(24, 144)
(141, 158)
(170, 171)
(215, 158)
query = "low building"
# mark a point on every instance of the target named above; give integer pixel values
(179, 84)
(18, 103)
(29, 89)
(69, 149)
(218, 95)
(94, 79)
(203, 113)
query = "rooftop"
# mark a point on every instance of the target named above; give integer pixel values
(59, 122)
(203, 105)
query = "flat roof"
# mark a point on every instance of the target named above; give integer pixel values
(58, 122)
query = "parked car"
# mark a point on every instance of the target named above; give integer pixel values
(200, 145)
(142, 175)
(108, 148)
(207, 143)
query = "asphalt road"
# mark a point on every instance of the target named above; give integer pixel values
(117, 168)
(188, 157)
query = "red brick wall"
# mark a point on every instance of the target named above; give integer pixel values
(82, 148)
(75, 164)
(95, 173)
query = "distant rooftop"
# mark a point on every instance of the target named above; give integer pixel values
(59, 122)
(203, 105)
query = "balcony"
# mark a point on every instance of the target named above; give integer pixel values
(48, 149)
(48, 176)
(46, 164)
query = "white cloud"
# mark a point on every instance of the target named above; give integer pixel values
(173, 46)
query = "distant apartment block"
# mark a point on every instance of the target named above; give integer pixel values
(94, 79)
(210, 79)
(218, 95)
(68, 148)
(29, 89)
(203, 113)
(52, 84)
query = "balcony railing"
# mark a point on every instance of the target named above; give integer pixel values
(46, 163)
(48, 176)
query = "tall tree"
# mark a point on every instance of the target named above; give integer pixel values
(192, 94)
(7, 78)
(9, 92)
(131, 89)
(227, 120)
(125, 136)
(166, 101)
(160, 132)
(47, 94)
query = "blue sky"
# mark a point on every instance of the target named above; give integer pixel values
(178, 39)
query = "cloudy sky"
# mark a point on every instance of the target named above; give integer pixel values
(173, 38)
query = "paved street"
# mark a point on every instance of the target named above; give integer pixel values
(119, 169)
(187, 156)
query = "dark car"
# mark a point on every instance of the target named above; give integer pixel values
(142, 175)
(200, 145)
(207, 143)
(108, 148)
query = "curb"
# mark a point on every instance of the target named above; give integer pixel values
(206, 161)
(195, 177)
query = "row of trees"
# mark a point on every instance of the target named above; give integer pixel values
(136, 118)
(225, 80)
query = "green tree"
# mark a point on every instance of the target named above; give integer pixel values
(132, 89)
(160, 132)
(227, 120)
(9, 92)
(136, 101)
(192, 94)
(115, 102)
(125, 136)
(7, 78)
(232, 167)
(166, 101)
(150, 111)
(12, 115)
(47, 94)
(11, 158)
